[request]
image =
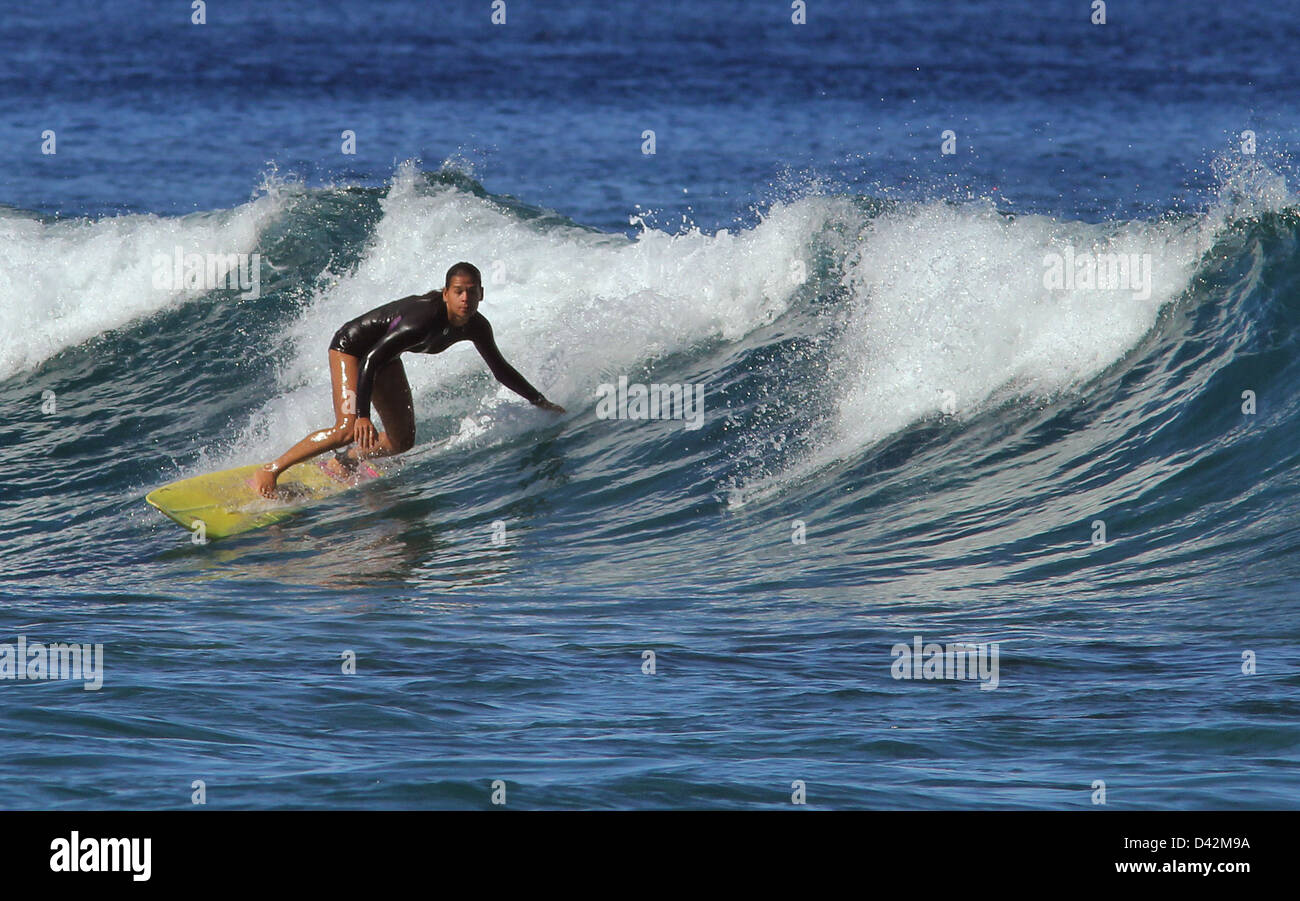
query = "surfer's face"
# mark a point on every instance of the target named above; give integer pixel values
(462, 295)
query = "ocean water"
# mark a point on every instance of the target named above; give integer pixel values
(906, 434)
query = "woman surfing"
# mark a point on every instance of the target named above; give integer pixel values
(365, 366)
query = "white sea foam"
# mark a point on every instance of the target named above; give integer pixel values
(64, 282)
(949, 309)
(948, 312)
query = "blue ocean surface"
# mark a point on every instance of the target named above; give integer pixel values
(883, 240)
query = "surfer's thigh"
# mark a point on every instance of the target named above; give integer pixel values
(392, 399)
(343, 380)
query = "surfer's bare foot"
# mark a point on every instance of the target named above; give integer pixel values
(264, 482)
(334, 466)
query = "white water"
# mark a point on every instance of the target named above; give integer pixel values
(948, 312)
(949, 309)
(66, 282)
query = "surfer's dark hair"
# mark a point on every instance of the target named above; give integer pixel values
(463, 268)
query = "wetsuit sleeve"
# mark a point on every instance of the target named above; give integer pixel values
(405, 332)
(506, 374)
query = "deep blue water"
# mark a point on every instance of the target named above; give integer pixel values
(905, 431)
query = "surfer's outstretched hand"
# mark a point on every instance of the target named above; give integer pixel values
(547, 405)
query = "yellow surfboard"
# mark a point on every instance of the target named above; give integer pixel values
(224, 503)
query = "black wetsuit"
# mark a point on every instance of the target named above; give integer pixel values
(419, 324)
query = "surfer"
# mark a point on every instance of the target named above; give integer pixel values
(365, 365)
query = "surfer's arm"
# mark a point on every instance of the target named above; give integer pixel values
(405, 334)
(504, 373)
